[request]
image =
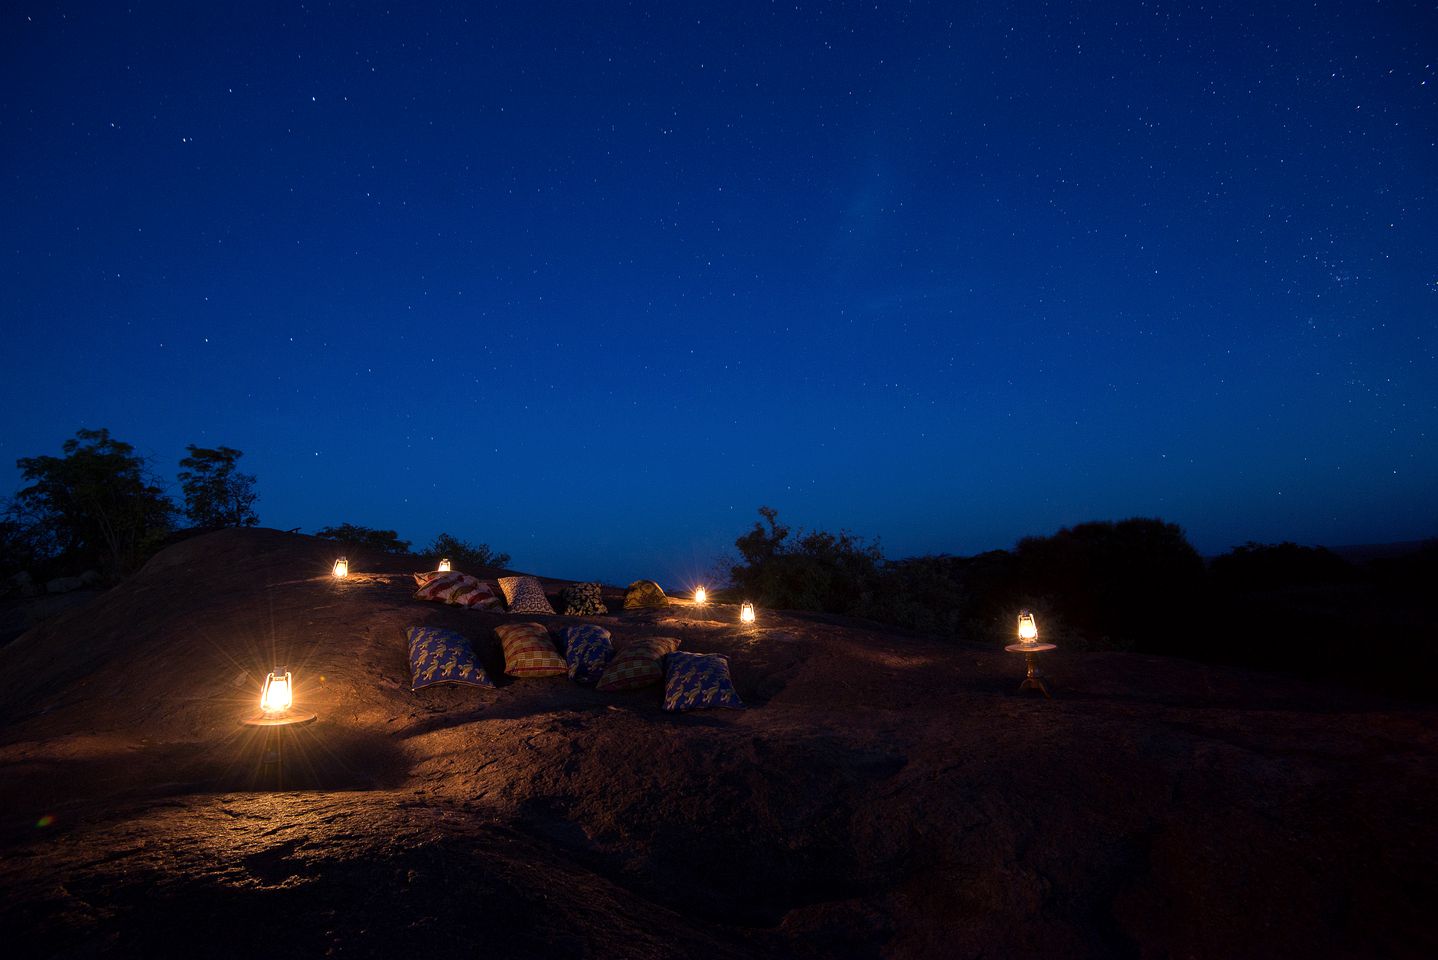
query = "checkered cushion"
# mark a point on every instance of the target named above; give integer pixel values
(524, 595)
(583, 600)
(587, 649)
(637, 665)
(442, 656)
(459, 589)
(694, 681)
(528, 651)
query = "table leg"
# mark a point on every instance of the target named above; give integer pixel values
(1032, 680)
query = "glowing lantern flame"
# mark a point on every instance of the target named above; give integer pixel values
(444, 566)
(342, 568)
(700, 595)
(746, 613)
(278, 694)
(1028, 629)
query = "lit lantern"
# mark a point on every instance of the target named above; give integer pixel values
(746, 613)
(444, 566)
(278, 694)
(700, 595)
(342, 568)
(1028, 629)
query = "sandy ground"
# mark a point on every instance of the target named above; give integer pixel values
(882, 796)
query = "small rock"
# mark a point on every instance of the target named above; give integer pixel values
(64, 585)
(90, 578)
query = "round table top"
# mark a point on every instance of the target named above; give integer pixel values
(1029, 647)
(284, 720)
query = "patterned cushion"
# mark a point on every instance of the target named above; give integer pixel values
(459, 589)
(644, 593)
(528, 651)
(583, 600)
(637, 665)
(694, 681)
(524, 595)
(587, 649)
(442, 656)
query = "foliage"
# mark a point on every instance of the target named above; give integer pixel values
(96, 505)
(813, 571)
(465, 555)
(216, 494)
(1130, 583)
(387, 541)
(1258, 566)
(1095, 584)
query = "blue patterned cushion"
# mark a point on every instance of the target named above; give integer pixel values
(587, 649)
(693, 681)
(442, 656)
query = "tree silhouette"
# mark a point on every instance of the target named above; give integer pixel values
(216, 494)
(96, 504)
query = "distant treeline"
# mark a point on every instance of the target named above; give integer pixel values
(100, 506)
(1128, 585)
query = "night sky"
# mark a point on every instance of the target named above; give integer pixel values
(592, 282)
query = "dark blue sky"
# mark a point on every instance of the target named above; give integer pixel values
(592, 282)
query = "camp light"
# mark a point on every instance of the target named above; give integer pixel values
(278, 693)
(1028, 629)
(700, 595)
(342, 568)
(444, 566)
(746, 613)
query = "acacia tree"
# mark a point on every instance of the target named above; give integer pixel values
(216, 493)
(96, 504)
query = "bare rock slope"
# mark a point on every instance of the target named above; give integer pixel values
(882, 795)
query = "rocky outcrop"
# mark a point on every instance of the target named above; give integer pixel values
(883, 795)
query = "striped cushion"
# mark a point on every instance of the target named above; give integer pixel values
(524, 595)
(637, 665)
(459, 589)
(442, 656)
(528, 651)
(587, 649)
(694, 681)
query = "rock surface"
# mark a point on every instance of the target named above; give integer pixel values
(883, 795)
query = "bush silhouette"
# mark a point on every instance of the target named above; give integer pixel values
(1257, 566)
(465, 555)
(387, 541)
(814, 571)
(1133, 583)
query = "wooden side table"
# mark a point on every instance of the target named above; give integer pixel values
(1031, 651)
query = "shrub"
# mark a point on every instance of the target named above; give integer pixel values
(1257, 566)
(465, 555)
(387, 541)
(1131, 583)
(815, 571)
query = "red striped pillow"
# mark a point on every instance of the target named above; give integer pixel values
(460, 589)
